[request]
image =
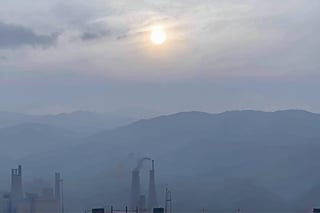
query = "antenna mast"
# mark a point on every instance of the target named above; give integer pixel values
(62, 196)
(168, 201)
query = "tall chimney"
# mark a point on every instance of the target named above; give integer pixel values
(152, 196)
(135, 189)
(16, 184)
(20, 170)
(57, 193)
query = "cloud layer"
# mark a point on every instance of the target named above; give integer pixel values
(209, 39)
(15, 36)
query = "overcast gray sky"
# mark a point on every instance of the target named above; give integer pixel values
(59, 56)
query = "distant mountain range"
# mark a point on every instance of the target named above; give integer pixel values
(78, 121)
(253, 160)
(31, 139)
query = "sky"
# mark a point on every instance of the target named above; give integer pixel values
(60, 56)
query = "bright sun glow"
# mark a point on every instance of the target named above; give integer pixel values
(158, 36)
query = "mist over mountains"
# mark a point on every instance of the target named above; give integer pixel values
(239, 159)
(79, 121)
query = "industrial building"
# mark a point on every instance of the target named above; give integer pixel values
(138, 200)
(49, 201)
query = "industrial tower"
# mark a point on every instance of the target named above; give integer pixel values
(152, 196)
(135, 189)
(16, 184)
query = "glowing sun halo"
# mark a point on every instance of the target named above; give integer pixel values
(158, 36)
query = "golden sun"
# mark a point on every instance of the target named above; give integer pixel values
(158, 36)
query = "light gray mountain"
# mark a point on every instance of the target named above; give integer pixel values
(85, 122)
(239, 159)
(31, 139)
(78, 121)
(11, 119)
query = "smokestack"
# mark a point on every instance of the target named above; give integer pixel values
(135, 189)
(57, 193)
(20, 170)
(16, 184)
(140, 162)
(142, 203)
(152, 196)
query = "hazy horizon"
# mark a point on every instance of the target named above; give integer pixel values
(142, 113)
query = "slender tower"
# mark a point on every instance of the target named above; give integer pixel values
(16, 184)
(152, 196)
(135, 189)
(57, 187)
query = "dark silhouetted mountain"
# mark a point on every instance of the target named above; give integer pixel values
(239, 159)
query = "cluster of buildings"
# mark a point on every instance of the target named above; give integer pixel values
(49, 201)
(139, 201)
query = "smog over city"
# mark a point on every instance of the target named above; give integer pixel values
(159, 106)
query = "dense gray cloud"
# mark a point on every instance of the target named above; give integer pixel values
(87, 36)
(13, 36)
